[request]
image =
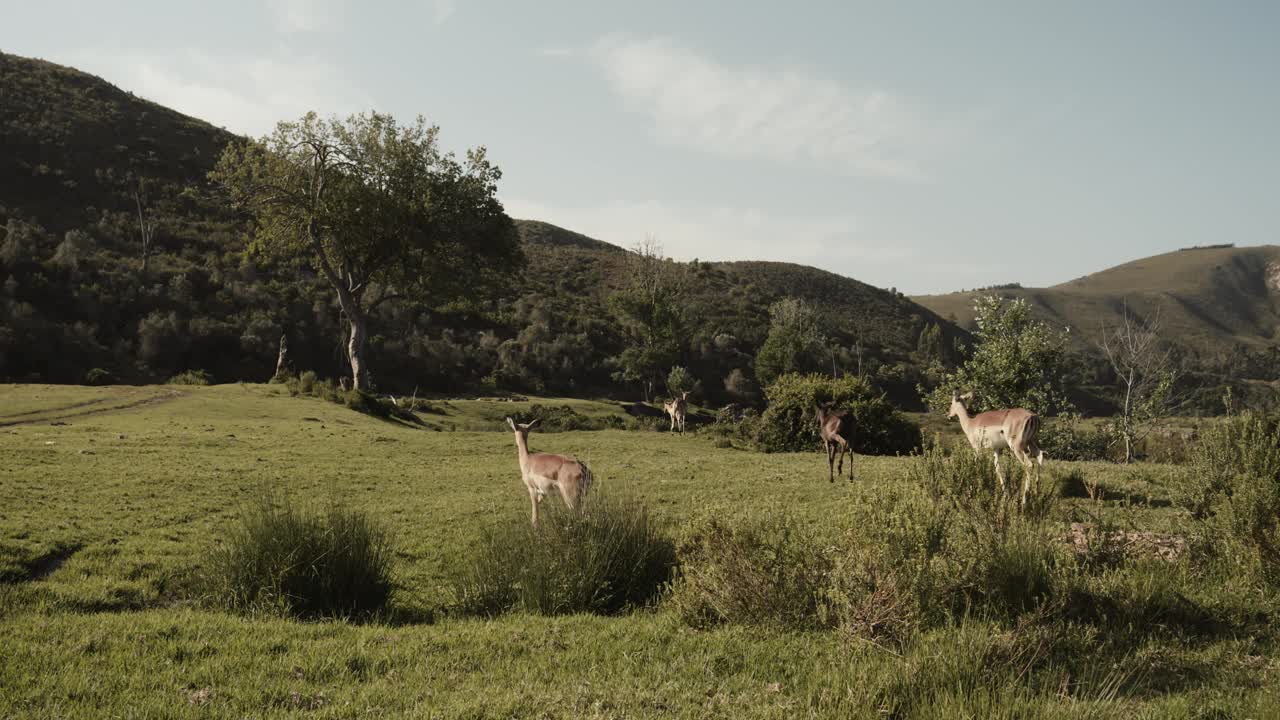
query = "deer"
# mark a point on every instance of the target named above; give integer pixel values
(544, 472)
(996, 430)
(677, 409)
(834, 427)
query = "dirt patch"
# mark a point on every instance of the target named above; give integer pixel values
(86, 409)
(1136, 543)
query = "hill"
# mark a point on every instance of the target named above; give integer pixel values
(80, 157)
(1208, 299)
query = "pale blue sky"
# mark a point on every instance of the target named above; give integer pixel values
(923, 146)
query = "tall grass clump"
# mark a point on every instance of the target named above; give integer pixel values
(335, 562)
(609, 557)
(948, 545)
(769, 570)
(1232, 486)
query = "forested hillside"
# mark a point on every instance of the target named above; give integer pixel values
(87, 170)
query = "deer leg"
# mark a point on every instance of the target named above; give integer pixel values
(831, 460)
(533, 499)
(850, 451)
(570, 495)
(999, 475)
(841, 448)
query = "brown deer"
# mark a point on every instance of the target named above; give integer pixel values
(995, 430)
(834, 427)
(544, 472)
(677, 409)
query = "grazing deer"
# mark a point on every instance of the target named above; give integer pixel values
(996, 430)
(544, 472)
(834, 427)
(677, 409)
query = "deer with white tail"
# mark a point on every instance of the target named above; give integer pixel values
(544, 472)
(677, 409)
(996, 430)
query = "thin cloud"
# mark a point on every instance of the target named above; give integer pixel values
(244, 95)
(442, 10)
(305, 16)
(786, 114)
(724, 233)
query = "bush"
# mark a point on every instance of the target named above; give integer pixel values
(1232, 484)
(280, 558)
(98, 376)
(769, 571)
(788, 423)
(554, 419)
(307, 382)
(608, 558)
(191, 377)
(1066, 438)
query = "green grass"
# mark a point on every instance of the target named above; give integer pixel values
(104, 522)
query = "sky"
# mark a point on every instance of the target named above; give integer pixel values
(927, 147)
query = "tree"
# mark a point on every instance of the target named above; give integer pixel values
(377, 209)
(146, 224)
(794, 343)
(652, 317)
(1144, 375)
(1017, 361)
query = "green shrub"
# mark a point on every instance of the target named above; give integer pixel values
(282, 558)
(1232, 485)
(1067, 438)
(607, 558)
(788, 424)
(191, 377)
(307, 382)
(768, 571)
(98, 376)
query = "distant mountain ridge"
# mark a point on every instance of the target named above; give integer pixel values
(1206, 297)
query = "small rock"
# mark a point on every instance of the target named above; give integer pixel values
(88, 452)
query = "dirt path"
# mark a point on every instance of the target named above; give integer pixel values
(86, 409)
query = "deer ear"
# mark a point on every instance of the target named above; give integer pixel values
(529, 425)
(967, 397)
(511, 422)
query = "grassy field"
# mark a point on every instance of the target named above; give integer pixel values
(109, 506)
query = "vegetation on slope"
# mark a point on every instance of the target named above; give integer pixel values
(74, 297)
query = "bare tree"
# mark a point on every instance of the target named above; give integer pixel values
(1144, 374)
(146, 225)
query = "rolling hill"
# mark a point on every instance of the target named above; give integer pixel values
(1208, 299)
(74, 149)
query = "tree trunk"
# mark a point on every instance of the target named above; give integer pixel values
(282, 360)
(355, 350)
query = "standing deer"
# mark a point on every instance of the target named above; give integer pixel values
(677, 409)
(996, 430)
(834, 427)
(543, 472)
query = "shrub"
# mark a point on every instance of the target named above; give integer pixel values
(680, 380)
(788, 423)
(281, 558)
(608, 558)
(191, 377)
(1232, 484)
(1066, 438)
(98, 376)
(307, 382)
(769, 570)
(554, 419)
